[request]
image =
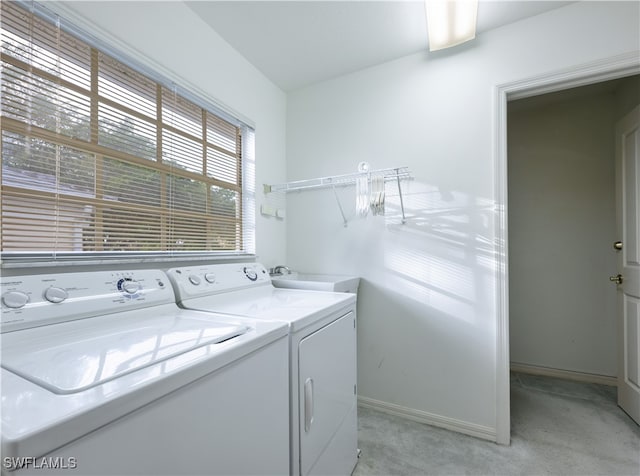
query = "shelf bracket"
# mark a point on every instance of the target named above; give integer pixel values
(335, 193)
(404, 218)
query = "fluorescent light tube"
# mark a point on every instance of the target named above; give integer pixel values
(450, 22)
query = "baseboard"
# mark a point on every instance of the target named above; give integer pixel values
(471, 429)
(565, 374)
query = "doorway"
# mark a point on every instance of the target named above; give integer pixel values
(615, 68)
(562, 226)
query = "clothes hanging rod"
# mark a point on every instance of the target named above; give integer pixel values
(395, 173)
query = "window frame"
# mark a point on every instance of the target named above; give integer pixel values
(164, 81)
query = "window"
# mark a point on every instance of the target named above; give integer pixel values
(101, 159)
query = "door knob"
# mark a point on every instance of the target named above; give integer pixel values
(617, 245)
(616, 279)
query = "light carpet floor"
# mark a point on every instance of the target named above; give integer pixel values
(558, 427)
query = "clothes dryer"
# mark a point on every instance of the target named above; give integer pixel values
(322, 327)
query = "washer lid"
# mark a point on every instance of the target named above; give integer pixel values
(85, 356)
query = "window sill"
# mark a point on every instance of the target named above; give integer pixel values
(15, 262)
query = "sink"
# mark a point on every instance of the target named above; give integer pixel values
(317, 282)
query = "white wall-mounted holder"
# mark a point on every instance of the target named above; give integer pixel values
(396, 174)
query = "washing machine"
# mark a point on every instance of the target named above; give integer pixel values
(102, 373)
(322, 365)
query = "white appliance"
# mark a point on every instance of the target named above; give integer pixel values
(102, 373)
(322, 357)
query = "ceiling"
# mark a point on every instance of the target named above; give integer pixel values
(297, 43)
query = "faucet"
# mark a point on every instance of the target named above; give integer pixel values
(278, 270)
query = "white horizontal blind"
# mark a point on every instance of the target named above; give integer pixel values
(98, 158)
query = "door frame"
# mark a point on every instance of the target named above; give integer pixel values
(579, 75)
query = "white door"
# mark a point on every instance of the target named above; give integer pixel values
(628, 206)
(328, 427)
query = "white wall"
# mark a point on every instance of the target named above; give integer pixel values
(171, 38)
(562, 224)
(427, 308)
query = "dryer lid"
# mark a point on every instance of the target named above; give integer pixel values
(86, 356)
(298, 307)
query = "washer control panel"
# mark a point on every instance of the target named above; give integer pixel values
(211, 279)
(31, 301)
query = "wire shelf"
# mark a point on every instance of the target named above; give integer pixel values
(396, 173)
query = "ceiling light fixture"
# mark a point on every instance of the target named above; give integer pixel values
(450, 22)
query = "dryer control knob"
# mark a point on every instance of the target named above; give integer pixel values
(15, 299)
(131, 287)
(195, 280)
(210, 277)
(55, 295)
(250, 273)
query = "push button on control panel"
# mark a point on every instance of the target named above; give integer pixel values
(55, 295)
(15, 299)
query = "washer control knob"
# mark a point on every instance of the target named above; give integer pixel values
(131, 287)
(210, 277)
(250, 273)
(55, 295)
(15, 299)
(194, 279)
